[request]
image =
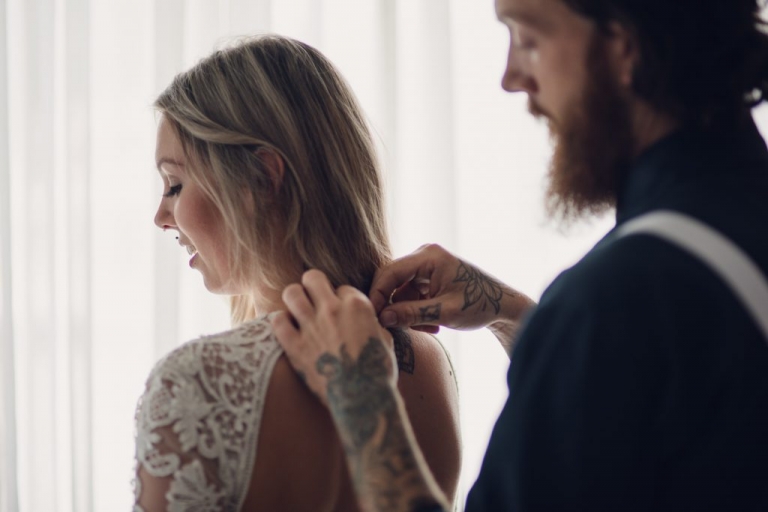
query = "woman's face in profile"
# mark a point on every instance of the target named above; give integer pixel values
(184, 207)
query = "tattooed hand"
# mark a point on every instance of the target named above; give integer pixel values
(347, 359)
(432, 287)
(336, 327)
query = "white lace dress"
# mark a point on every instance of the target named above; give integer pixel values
(198, 420)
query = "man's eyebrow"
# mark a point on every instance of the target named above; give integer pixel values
(167, 160)
(520, 16)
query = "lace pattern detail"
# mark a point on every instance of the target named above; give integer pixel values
(198, 420)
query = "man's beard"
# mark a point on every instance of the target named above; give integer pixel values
(592, 146)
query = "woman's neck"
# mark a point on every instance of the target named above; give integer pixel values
(267, 299)
(265, 305)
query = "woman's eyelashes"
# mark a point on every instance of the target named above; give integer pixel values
(173, 191)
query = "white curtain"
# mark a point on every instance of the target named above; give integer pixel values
(91, 293)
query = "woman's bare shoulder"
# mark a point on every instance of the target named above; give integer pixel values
(422, 356)
(427, 382)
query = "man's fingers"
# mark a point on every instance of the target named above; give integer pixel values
(407, 314)
(417, 289)
(388, 279)
(353, 296)
(287, 334)
(297, 302)
(283, 327)
(318, 287)
(346, 292)
(414, 270)
(296, 351)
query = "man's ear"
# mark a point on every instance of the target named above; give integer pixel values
(623, 52)
(274, 165)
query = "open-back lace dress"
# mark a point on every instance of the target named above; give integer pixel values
(198, 420)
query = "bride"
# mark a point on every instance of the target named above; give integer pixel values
(268, 170)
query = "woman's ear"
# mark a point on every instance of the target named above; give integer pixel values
(274, 165)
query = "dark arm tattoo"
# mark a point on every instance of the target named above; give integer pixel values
(380, 448)
(480, 288)
(406, 359)
(357, 390)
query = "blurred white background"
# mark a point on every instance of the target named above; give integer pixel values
(91, 293)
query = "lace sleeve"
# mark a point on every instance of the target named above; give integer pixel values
(198, 420)
(177, 467)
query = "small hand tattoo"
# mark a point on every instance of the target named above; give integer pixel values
(430, 313)
(479, 288)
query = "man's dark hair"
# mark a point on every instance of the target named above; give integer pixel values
(702, 61)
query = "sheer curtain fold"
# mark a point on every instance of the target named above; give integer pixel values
(32, 118)
(8, 467)
(48, 206)
(78, 299)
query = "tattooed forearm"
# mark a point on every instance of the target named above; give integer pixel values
(395, 463)
(386, 466)
(480, 288)
(357, 390)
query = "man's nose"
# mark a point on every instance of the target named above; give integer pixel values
(516, 77)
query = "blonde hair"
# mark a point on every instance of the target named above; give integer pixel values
(327, 211)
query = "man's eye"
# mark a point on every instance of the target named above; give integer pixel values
(526, 43)
(173, 191)
(523, 40)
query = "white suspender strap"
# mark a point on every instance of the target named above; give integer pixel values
(718, 252)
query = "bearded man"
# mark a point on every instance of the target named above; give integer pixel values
(640, 380)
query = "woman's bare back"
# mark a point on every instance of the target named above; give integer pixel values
(301, 465)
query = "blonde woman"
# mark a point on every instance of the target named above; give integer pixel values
(268, 170)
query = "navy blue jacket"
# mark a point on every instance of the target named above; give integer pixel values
(640, 383)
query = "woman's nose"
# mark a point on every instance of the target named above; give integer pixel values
(163, 217)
